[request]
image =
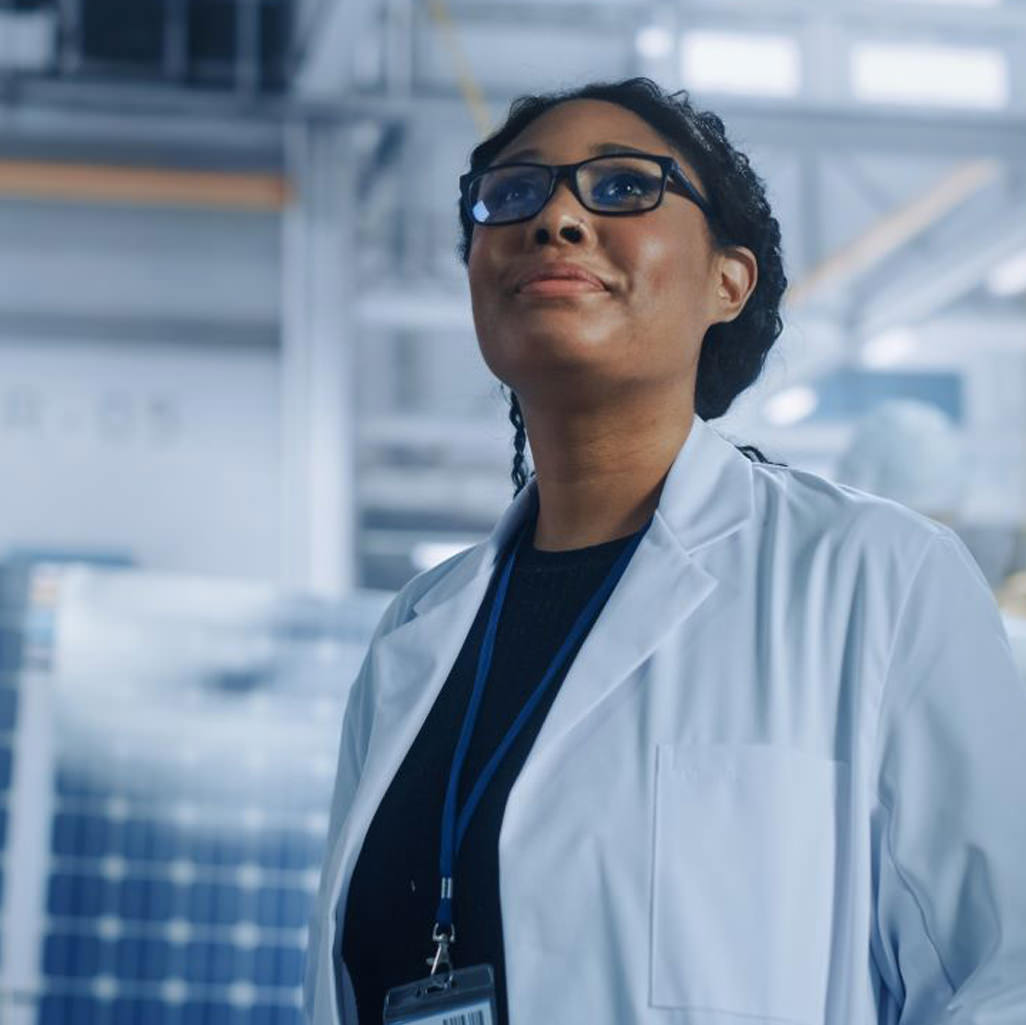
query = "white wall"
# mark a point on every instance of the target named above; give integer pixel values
(169, 453)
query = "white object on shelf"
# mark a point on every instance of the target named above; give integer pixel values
(28, 39)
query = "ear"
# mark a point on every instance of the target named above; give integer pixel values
(736, 271)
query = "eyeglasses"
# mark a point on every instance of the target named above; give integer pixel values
(617, 185)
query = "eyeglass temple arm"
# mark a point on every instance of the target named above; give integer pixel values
(677, 182)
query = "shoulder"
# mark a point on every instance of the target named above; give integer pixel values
(807, 510)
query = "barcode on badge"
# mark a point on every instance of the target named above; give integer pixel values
(476, 1013)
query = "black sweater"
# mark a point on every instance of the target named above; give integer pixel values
(394, 891)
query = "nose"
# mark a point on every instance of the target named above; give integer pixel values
(562, 217)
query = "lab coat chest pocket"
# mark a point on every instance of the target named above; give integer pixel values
(746, 839)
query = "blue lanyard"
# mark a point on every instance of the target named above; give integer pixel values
(453, 831)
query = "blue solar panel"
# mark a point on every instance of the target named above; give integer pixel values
(155, 907)
(177, 895)
(6, 759)
(78, 1010)
(8, 722)
(10, 649)
(8, 707)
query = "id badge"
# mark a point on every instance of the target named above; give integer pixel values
(465, 996)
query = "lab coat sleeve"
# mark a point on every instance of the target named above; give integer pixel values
(351, 752)
(949, 818)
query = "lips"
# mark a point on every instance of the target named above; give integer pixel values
(561, 272)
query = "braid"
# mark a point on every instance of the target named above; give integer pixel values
(516, 417)
(755, 455)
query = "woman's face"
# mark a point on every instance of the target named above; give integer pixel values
(664, 281)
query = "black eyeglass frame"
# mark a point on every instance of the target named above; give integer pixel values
(673, 175)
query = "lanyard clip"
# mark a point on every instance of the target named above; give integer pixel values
(441, 956)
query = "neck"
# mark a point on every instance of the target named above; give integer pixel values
(600, 477)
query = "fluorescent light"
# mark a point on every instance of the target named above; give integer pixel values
(1008, 277)
(929, 75)
(654, 42)
(889, 347)
(740, 62)
(791, 405)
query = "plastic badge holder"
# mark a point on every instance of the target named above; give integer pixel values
(462, 997)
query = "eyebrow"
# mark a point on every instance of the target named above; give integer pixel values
(597, 149)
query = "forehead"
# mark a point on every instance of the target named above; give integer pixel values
(569, 130)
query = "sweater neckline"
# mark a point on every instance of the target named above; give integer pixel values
(540, 559)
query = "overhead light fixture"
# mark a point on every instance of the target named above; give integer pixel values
(889, 347)
(1009, 276)
(791, 405)
(756, 64)
(654, 42)
(930, 75)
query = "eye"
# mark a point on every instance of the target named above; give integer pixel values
(508, 190)
(624, 185)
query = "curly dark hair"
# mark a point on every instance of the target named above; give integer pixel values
(732, 353)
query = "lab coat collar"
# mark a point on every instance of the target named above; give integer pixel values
(706, 496)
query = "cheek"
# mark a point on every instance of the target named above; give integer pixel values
(482, 267)
(476, 278)
(669, 268)
(473, 257)
(661, 271)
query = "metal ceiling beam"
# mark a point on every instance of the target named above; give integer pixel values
(928, 285)
(322, 62)
(193, 331)
(400, 305)
(169, 127)
(969, 23)
(803, 127)
(136, 186)
(895, 230)
(476, 494)
(221, 121)
(135, 97)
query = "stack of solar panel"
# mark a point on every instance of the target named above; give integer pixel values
(193, 761)
(165, 912)
(10, 646)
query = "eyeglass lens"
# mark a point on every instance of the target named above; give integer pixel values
(608, 185)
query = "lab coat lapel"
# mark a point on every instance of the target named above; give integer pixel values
(409, 665)
(707, 495)
(413, 661)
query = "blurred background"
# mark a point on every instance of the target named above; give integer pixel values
(242, 403)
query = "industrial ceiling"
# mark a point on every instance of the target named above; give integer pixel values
(891, 133)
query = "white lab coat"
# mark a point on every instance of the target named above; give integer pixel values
(784, 780)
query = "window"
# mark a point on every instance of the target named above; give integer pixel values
(929, 75)
(654, 42)
(735, 62)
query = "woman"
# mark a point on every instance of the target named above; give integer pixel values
(691, 737)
